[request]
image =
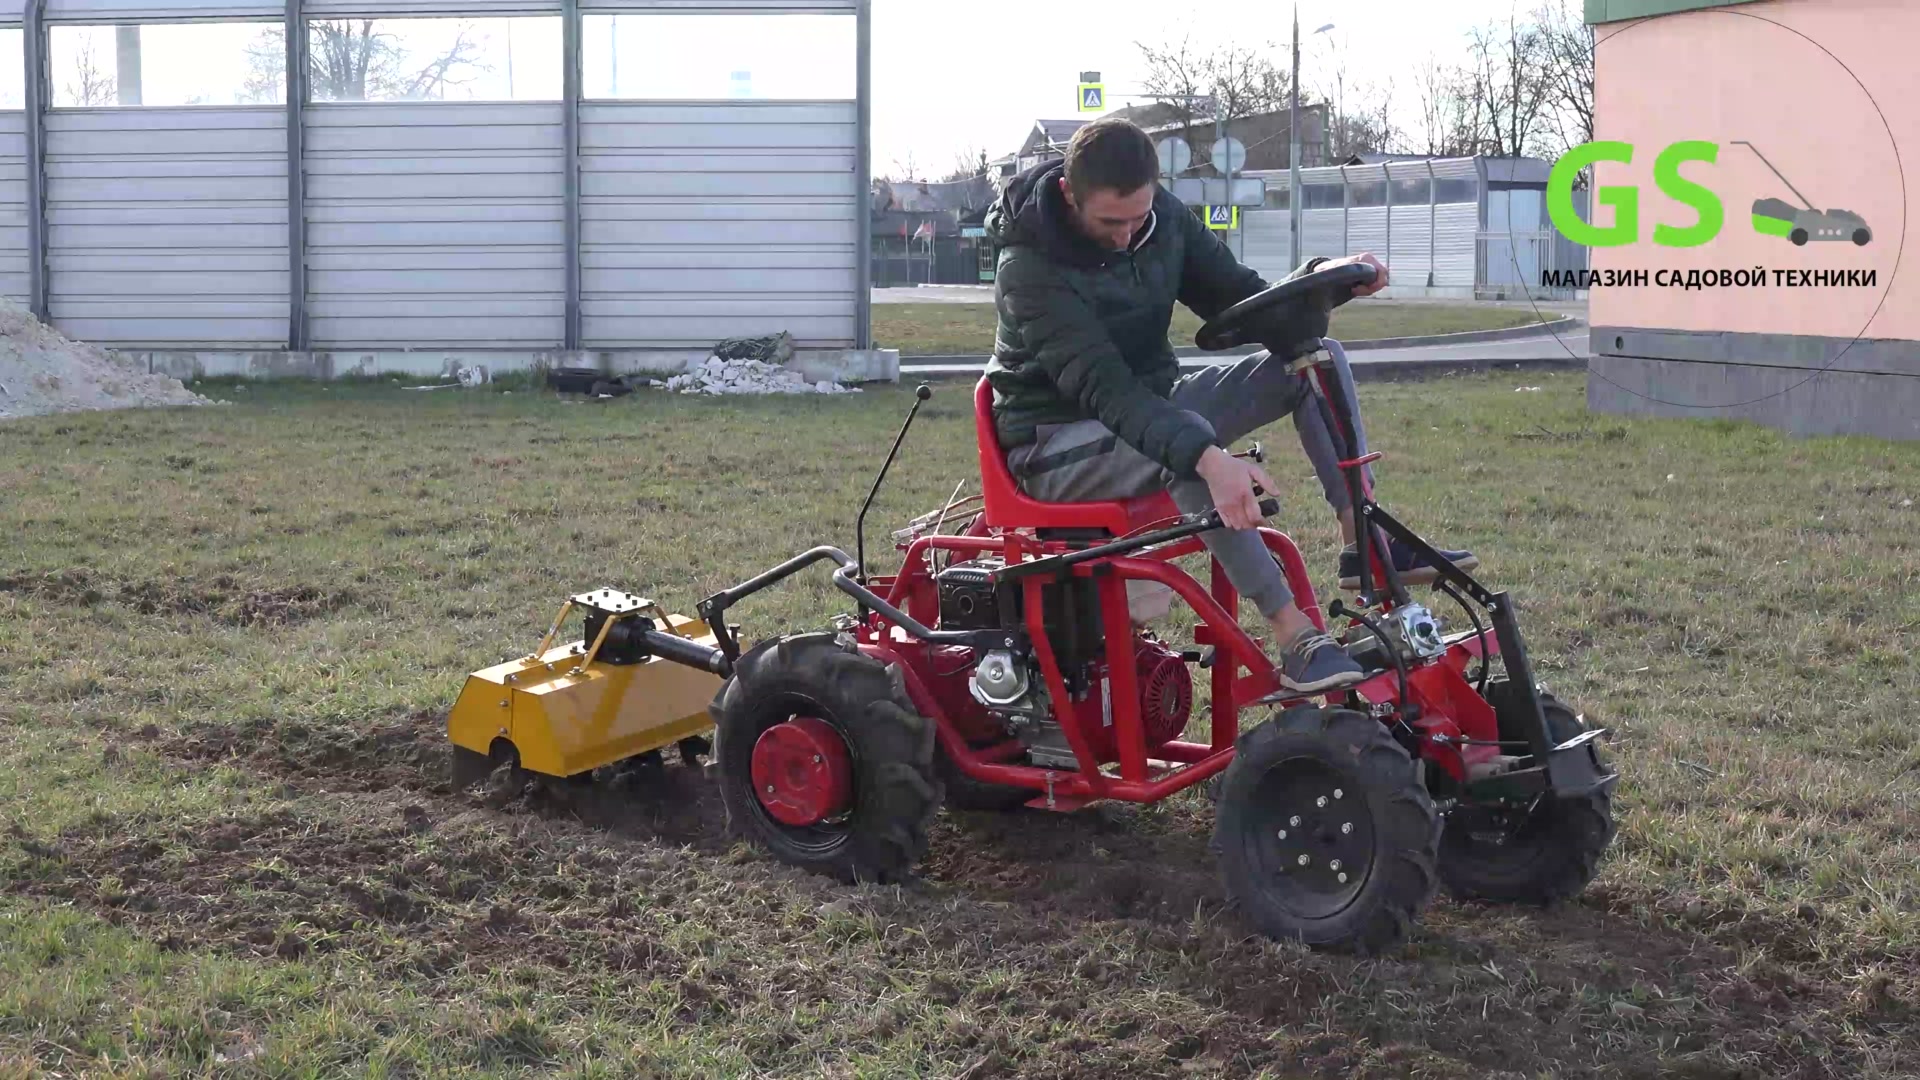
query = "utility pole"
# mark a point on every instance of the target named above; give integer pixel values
(1293, 151)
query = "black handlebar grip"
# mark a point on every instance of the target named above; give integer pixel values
(1269, 507)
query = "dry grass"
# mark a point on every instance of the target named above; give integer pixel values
(227, 638)
(967, 329)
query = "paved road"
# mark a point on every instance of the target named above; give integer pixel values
(1570, 349)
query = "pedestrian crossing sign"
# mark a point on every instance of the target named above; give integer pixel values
(1093, 97)
(1223, 218)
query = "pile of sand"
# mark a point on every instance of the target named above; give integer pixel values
(42, 371)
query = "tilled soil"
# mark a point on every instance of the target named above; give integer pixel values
(1087, 945)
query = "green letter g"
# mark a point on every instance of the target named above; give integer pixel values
(1625, 200)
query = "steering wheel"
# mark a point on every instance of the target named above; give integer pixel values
(1294, 313)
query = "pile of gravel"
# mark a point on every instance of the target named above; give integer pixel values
(42, 371)
(717, 376)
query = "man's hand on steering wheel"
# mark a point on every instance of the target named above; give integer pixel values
(1366, 258)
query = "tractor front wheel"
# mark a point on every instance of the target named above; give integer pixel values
(1542, 854)
(823, 759)
(1324, 832)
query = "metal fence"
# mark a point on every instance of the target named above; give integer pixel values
(1442, 225)
(596, 194)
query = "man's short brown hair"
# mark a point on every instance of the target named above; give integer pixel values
(1114, 154)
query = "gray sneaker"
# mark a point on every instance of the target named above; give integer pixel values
(1315, 662)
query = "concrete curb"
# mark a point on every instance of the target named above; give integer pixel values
(1550, 328)
(1363, 371)
(1397, 369)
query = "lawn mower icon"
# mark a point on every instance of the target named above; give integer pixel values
(1778, 217)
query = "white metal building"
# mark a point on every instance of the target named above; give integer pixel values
(1462, 227)
(569, 215)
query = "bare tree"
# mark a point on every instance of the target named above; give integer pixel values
(1509, 83)
(90, 85)
(1566, 55)
(1190, 85)
(1176, 82)
(1366, 124)
(352, 60)
(1451, 113)
(905, 170)
(967, 163)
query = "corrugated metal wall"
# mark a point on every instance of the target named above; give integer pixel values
(1269, 243)
(13, 206)
(167, 227)
(1413, 238)
(709, 220)
(440, 224)
(436, 224)
(1366, 225)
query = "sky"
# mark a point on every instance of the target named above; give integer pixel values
(950, 79)
(945, 82)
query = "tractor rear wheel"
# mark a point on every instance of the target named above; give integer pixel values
(1324, 832)
(1544, 854)
(823, 759)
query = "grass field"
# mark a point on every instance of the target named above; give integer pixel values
(967, 329)
(228, 638)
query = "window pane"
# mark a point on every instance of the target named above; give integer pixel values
(488, 59)
(1277, 195)
(1367, 193)
(698, 57)
(1457, 191)
(1406, 192)
(166, 64)
(13, 86)
(1322, 196)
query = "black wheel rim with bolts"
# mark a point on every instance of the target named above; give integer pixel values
(1312, 836)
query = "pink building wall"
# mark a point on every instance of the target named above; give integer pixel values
(1732, 73)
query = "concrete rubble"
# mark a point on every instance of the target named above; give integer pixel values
(717, 376)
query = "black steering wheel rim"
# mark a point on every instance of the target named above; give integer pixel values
(1318, 293)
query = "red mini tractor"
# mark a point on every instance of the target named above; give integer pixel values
(1000, 668)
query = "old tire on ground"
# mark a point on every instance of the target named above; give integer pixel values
(1512, 856)
(1377, 823)
(894, 792)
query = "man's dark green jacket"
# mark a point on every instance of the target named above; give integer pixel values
(1083, 331)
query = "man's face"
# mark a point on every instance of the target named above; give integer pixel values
(1107, 216)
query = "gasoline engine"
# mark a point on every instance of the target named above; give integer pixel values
(1014, 692)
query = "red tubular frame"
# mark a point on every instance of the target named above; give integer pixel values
(1450, 710)
(1139, 779)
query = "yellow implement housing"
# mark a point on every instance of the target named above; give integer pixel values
(568, 709)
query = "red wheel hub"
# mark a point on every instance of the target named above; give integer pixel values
(801, 771)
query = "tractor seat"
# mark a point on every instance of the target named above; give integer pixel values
(1007, 507)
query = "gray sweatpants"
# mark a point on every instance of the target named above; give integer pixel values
(1085, 461)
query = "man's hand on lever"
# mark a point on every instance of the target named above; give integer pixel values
(1232, 482)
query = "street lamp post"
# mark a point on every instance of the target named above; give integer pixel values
(1293, 152)
(1339, 95)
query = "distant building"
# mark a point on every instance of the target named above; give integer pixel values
(928, 232)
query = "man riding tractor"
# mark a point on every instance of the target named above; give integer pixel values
(1089, 401)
